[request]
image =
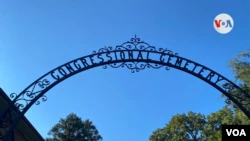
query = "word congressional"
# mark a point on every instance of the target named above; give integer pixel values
(120, 56)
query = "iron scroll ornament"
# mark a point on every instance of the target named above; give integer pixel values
(135, 55)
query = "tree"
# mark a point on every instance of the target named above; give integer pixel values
(73, 128)
(181, 127)
(212, 130)
(196, 127)
(241, 68)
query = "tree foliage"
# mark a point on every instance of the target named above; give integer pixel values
(197, 127)
(241, 67)
(181, 127)
(212, 130)
(73, 128)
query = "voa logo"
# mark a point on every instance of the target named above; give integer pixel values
(236, 132)
(223, 23)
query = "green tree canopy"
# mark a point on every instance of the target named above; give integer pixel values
(73, 128)
(197, 127)
(181, 127)
(212, 130)
(241, 67)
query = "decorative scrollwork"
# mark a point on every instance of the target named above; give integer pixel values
(13, 95)
(135, 66)
(237, 94)
(228, 101)
(43, 84)
(228, 87)
(43, 98)
(167, 51)
(102, 50)
(27, 96)
(135, 44)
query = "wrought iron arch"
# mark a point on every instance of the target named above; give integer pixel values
(135, 55)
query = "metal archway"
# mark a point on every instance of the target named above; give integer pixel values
(135, 55)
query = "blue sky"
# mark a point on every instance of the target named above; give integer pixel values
(37, 36)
